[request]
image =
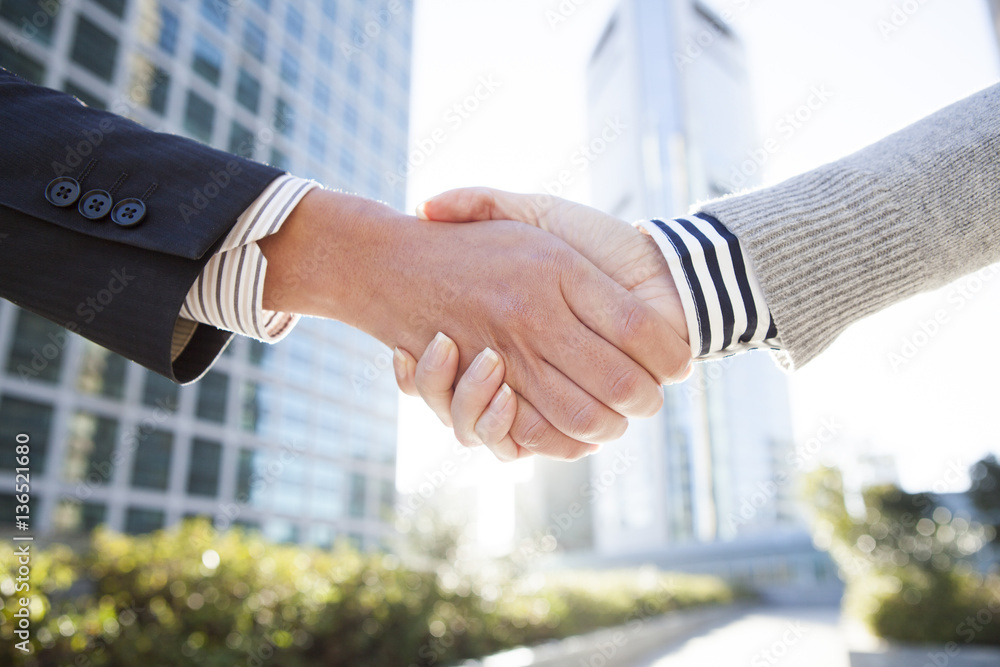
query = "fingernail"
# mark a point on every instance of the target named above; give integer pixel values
(399, 359)
(438, 354)
(499, 401)
(484, 365)
(421, 213)
(593, 450)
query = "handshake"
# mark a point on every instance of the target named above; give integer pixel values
(541, 325)
(574, 316)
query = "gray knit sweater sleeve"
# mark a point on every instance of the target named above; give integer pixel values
(907, 214)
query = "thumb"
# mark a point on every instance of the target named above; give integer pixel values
(474, 204)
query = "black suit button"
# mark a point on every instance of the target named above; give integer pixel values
(95, 204)
(62, 191)
(128, 212)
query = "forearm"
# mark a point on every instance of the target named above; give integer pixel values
(910, 213)
(330, 259)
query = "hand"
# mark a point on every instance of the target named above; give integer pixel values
(626, 254)
(481, 402)
(567, 333)
(615, 247)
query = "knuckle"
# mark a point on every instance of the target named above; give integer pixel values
(677, 366)
(587, 421)
(532, 432)
(624, 387)
(633, 320)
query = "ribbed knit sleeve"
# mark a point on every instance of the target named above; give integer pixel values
(908, 214)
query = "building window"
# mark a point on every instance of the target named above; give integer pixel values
(248, 91)
(321, 536)
(354, 75)
(204, 467)
(7, 506)
(325, 50)
(169, 28)
(330, 9)
(378, 98)
(321, 96)
(374, 184)
(265, 5)
(199, 117)
(281, 531)
(216, 13)
(284, 118)
(139, 521)
(30, 418)
(357, 502)
(116, 7)
(94, 49)
(346, 163)
(84, 95)
(151, 465)
(241, 141)
(327, 500)
(260, 353)
(160, 392)
(76, 517)
(376, 141)
(360, 439)
(89, 448)
(294, 23)
(250, 407)
(37, 349)
(387, 499)
(317, 143)
(102, 372)
(212, 393)
(150, 85)
(288, 487)
(20, 64)
(34, 21)
(351, 118)
(254, 40)
(207, 60)
(244, 475)
(289, 68)
(279, 161)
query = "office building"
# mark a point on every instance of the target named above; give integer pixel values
(296, 439)
(708, 484)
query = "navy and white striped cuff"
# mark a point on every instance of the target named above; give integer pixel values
(723, 303)
(229, 292)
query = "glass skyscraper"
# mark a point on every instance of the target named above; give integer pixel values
(296, 439)
(705, 485)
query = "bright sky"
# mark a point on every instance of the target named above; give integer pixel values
(933, 412)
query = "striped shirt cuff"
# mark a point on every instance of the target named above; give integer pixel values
(229, 292)
(723, 304)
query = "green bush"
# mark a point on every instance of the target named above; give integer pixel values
(932, 608)
(913, 570)
(192, 596)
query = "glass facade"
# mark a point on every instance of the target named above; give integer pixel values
(296, 439)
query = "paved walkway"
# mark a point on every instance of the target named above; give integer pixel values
(762, 637)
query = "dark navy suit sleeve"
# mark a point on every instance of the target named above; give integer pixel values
(105, 225)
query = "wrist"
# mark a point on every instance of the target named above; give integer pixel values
(327, 259)
(660, 289)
